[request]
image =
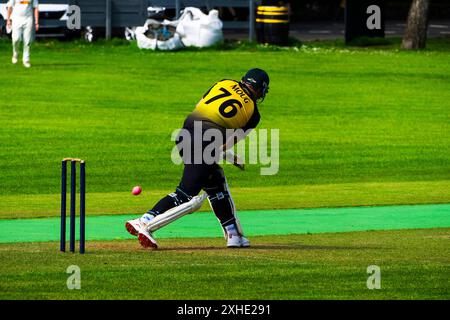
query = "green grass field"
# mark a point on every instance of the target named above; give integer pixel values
(358, 127)
(345, 117)
(326, 266)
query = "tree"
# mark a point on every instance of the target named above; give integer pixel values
(416, 27)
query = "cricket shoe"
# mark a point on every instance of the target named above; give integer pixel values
(135, 226)
(26, 64)
(146, 239)
(14, 59)
(237, 241)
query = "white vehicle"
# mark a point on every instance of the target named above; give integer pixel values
(52, 20)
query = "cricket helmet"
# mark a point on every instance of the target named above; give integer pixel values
(259, 80)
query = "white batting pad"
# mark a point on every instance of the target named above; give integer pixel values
(175, 213)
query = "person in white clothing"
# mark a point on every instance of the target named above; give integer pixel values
(25, 20)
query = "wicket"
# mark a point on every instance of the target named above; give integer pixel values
(73, 162)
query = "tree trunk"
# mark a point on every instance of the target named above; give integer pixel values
(416, 27)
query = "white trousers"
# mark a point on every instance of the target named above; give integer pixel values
(22, 30)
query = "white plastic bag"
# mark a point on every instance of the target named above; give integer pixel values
(173, 43)
(143, 41)
(194, 28)
(154, 34)
(198, 29)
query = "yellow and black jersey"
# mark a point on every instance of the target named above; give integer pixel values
(227, 105)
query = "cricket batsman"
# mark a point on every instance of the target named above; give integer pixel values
(228, 105)
(25, 20)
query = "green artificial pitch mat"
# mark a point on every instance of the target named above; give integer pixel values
(261, 222)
